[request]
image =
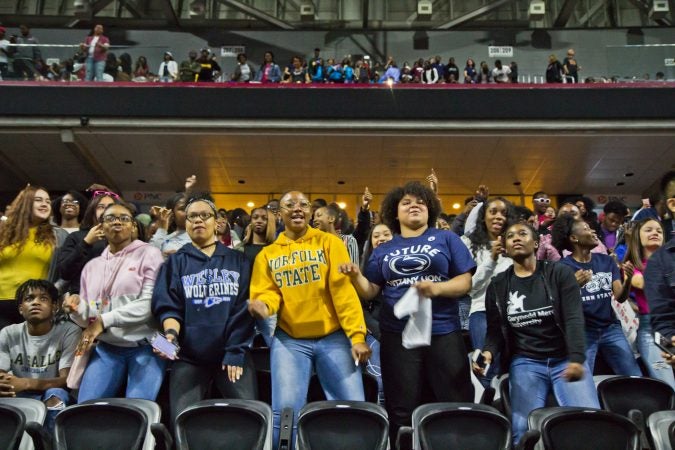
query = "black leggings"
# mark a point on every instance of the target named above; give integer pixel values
(438, 373)
(189, 384)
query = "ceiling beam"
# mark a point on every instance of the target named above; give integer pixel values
(13, 169)
(170, 13)
(365, 5)
(590, 13)
(86, 157)
(564, 14)
(476, 13)
(99, 5)
(644, 7)
(133, 9)
(257, 14)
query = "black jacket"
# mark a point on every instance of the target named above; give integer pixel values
(73, 255)
(565, 297)
(660, 289)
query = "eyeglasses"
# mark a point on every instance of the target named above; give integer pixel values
(111, 218)
(70, 202)
(204, 216)
(105, 194)
(543, 200)
(302, 204)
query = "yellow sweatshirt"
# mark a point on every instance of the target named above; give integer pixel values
(299, 280)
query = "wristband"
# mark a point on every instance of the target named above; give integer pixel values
(171, 332)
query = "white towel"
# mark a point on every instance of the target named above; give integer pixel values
(417, 332)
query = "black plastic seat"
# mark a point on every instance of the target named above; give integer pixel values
(153, 414)
(589, 429)
(342, 425)
(225, 423)
(647, 395)
(537, 417)
(660, 424)
(35, 412)
(12, 425)
(100, 427)
(464, 426)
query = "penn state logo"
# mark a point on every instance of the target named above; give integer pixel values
(409, 264)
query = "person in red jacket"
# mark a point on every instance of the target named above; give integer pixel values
(96, 46)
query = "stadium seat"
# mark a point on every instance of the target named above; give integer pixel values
(590, 428)
(622, 394)
(661, 424)
(333, 425)
(100, 426)
(153, 414)
(12, 425)
(34, 411)
(459, 425)
(242, 424)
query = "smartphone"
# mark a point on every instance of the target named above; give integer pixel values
(664, 344)
(160, 343)
(479, 359)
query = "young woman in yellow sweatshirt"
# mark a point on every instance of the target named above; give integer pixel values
(320, 320)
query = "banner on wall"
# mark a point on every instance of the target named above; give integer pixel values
(145, 199)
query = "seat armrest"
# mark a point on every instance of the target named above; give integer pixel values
(528, 440)
(286, 429)
(404, 438)
(163, 439)
(41, 438)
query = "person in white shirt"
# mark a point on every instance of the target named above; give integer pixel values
(168, 69)
(4, 52)
(501, 74)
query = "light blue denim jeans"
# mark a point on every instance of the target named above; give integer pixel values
(110, 366)
(52, 411)
(292, 361)
(94, 69)
(373, 366)
(478, 332)
(530, 381)
(615, 349)
(651, 354)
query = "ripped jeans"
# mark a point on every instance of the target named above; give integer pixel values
(52, 411)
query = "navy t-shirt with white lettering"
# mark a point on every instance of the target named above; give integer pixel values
(435, 255)
(596, 295)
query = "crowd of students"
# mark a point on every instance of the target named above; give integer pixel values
(95, 60)
(90, 284)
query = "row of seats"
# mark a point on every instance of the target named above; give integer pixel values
(638, 413)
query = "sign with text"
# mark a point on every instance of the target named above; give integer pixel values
(670, 62)
(500, 52)
(232, 50)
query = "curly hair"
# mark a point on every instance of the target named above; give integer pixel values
(561, 231)
(389, 210)
(20, 220)
(616, 207)
(479, 237)
(518, 221)
(46, 286)
(56, 206)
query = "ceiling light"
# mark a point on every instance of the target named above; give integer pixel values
(456, 206)
(342, 205)
(250, 204)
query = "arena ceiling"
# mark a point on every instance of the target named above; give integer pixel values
(332, 14)
(338, 160)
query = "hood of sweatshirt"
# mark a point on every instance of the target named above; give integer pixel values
(128, 249)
